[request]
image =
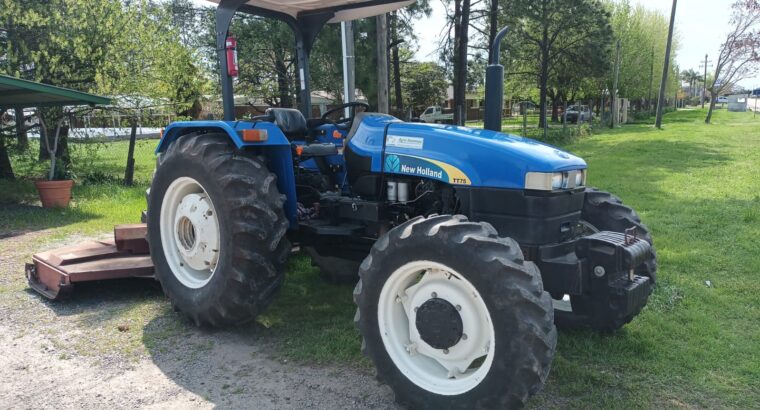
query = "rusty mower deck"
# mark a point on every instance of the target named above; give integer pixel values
(53, 273)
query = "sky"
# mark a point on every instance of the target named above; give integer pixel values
(701, 26)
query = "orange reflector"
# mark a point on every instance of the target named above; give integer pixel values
(299, 150)
(254, 135)
(337, 134)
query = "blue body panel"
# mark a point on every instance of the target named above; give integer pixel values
(232, 128)
(457, 155)
(276, 149)
(330, 134)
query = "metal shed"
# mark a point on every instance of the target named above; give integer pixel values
(18, 93)
(737, 103)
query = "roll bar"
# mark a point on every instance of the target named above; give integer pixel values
(306, 25)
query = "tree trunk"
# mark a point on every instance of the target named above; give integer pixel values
(21, 137)
(6, 170)
(62, 152)
(43, 154)
(493, 23)
(395, 61)
(129, 173)
(712, 107)
(555, 110)
(382, 63)
(543, 78)
(397, 81)
(283, 87)
(460, 64)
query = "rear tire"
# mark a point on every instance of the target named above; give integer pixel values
(603, 211)
(334, 269)
(242, 217)
(466, 271)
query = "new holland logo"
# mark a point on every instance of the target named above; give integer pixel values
(410, 165)
(392, 163)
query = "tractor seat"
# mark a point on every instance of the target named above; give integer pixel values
(291, 122)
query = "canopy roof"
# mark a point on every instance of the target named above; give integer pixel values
(18, 93)
(343, 9)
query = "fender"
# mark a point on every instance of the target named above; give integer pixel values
(276, 149)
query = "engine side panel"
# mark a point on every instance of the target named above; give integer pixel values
(529, 217)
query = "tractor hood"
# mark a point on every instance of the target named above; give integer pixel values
(457, 155)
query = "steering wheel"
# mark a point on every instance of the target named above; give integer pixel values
(344, 122)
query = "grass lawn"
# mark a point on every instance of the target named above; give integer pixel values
(696, 186)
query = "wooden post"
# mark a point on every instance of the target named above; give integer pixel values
(129, 173)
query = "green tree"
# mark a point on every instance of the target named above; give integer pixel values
(266, 51)
(402, 36)
(642, 34)
(739, 56)
(555, 34)
(424, 84)
(98, 46)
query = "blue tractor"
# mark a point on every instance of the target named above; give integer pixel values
(468, 245)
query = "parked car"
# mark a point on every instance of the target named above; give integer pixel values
(722, 100)
(573, 111)
(437, 115)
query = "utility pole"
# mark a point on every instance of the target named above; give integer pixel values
(665, 66)
(349, 62)
(383, 105)
(613, 103)
(704, 82)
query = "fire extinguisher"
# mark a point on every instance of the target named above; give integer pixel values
(232, 60)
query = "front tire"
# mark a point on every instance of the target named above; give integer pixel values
(453, 317)
(216, 228)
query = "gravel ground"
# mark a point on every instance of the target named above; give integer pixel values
(71, 353)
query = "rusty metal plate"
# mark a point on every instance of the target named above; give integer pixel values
(131, 238)
(53, 273)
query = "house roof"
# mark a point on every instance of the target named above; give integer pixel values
(18, 93)
(343, 9)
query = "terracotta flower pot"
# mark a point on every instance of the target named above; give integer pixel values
(55, 194)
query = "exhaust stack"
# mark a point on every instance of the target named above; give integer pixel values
(494, 86)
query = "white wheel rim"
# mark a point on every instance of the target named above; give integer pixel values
(451, 371)
(190, 232)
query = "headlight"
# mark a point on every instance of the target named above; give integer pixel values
(557, 180)
(580, 178)
(549, 181)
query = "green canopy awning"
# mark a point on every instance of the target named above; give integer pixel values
(18, 93)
